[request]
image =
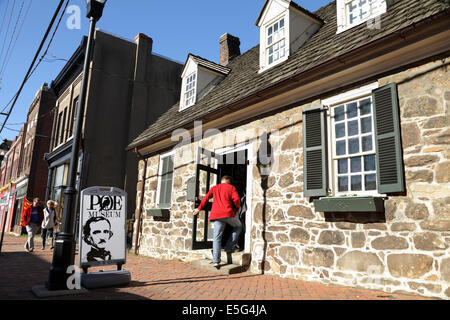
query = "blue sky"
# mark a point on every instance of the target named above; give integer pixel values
(177, 27)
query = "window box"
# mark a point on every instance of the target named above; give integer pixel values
(157, 212)
(349, 204)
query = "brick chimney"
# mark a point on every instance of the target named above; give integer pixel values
(229, 48)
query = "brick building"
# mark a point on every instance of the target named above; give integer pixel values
(11, 167)
(25, 167)
(336, 126)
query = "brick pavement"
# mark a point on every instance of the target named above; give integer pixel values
(170, 280)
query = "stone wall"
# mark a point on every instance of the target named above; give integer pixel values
(406, 249)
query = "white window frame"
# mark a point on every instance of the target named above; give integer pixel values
(331, 103)
(192, 90)
(264, 63)
(343, 14)
(158, 190)
(274, 42)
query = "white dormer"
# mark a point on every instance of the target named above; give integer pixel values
(284, 28)
(198, 77)
(351, 13)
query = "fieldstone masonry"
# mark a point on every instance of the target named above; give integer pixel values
(406, 249)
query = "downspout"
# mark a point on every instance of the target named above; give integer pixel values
(141, 202)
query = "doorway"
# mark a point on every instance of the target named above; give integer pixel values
(211, 166)
(234, 164)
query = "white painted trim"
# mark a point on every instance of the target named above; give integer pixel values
(160, 167)
(249, 192)
(263, 57)
(350, 95)
(355, 94)
(284, 3)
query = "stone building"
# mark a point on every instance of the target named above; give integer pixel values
(336, 126)
(129, 87)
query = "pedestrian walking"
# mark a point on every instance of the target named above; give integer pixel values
(226, 203)
(31, 219)
(49, 223)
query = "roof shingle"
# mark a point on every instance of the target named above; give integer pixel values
(244, 79)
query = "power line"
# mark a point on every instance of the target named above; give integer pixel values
(51, 39)
(7, 30)
(30, 69)
(4, 17)
(12, 37)
(8, 58)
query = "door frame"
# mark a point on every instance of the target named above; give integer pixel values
(249, 214)
(210, 169)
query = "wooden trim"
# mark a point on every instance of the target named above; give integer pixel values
(349, 204)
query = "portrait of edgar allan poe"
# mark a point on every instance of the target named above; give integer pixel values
(96, 233)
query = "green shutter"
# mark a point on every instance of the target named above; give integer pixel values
(388, 140)
(315, 165)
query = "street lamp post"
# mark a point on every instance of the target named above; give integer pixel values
(64, 252)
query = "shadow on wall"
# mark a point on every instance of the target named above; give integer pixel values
(356, 217)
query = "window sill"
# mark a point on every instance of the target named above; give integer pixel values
(349, 204)
(157, 212)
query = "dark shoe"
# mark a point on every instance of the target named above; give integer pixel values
(43, 248)
(216, 265)
(51, 248)
(31, 250)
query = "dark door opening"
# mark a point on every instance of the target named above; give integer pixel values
(235, 165)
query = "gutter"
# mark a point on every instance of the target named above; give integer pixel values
(372, 49)
(141, 202)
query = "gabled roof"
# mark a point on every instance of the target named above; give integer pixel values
(326, 45)
(293, 5)
(209, 64)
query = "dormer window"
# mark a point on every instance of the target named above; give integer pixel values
(276, 42)
(198, 77)
(284, 28)
(354, 12)
(189, 96)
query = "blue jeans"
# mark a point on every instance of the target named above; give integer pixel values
(219, 227)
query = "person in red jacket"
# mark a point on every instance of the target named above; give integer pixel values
(226, 203)
(31, 219)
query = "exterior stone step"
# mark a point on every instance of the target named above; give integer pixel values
(224, 268)
(238, 258)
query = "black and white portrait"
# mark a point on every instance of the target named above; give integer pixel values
(102, 227)
(97, 233)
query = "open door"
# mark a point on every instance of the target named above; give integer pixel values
(206, 176)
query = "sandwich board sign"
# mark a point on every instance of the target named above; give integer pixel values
(102, 230)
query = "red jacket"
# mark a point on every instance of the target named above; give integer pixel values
(226, 201)
(27, 215)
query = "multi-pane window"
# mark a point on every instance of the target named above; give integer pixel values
(63, 127)
(189, 93)
(353, 147)
(165, 181)
(73, 115)
(58, 129)
(360, 10)
(276, 42)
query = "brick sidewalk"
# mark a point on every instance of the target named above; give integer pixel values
(170, 280)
